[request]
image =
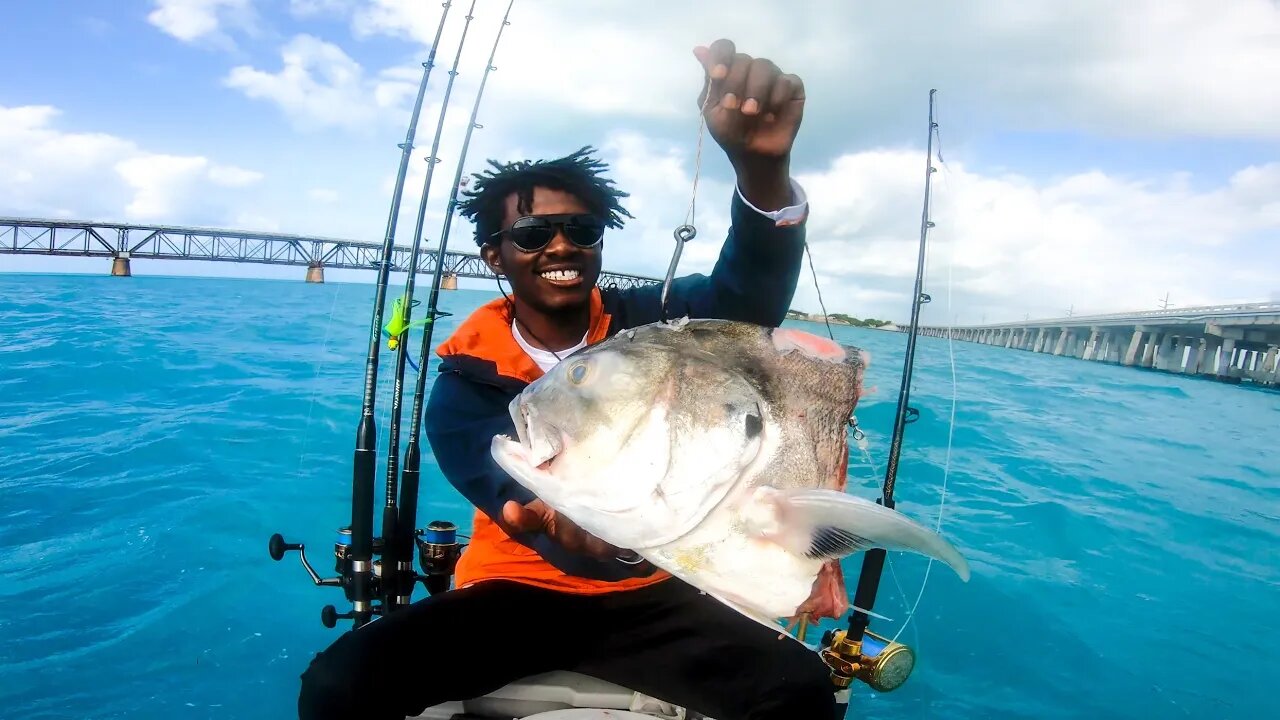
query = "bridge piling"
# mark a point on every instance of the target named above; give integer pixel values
(315, 273)
(1100, 346)
(1149, 351)
(1111, 353)
(1226, 355)
(1193, 355)
(1253, 366)
(1172, 361)
(1213, 358)
(1091, 346)
(1252, 362)
(1164, 354)
(1135, 344)
(449, 281)
(120, 266)
(1186, 352)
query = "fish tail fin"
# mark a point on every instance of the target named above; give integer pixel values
(827, 524)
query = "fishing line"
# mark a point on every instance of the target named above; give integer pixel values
(821, 304)
(697, 156)
(686, 232)
(951, 424)
(864, 446)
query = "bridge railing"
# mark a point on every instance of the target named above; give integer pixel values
(1186, 314)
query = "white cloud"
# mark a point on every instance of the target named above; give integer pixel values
(164, 184)
(230, 176)
(320, 85)
(401, 19)
(104, 177)
(1147, 66)
(1013, 245)
(543, 67)
(157, 181)
(190, 20)
(46, 170)
(659, 177)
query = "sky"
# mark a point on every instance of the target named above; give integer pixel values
(1094, 155)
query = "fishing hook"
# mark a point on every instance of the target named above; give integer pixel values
(683, 234)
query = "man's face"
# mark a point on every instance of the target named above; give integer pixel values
(558, 277)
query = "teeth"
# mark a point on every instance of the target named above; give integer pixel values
(561, 275)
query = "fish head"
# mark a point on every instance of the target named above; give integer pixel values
(636, 442)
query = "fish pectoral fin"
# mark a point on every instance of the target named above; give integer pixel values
(828, 524)
(830, 543)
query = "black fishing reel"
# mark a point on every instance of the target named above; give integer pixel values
(438, 552)
(329, 615)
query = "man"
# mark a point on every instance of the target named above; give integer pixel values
(534, 592)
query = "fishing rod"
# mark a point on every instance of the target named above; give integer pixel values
(881, 663)
(394, 564)
(438, 549)
(354, 547)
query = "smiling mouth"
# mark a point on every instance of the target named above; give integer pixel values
(561, 277)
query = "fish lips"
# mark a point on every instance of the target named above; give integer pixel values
(541, 440)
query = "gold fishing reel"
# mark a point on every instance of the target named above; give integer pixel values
(881, 663)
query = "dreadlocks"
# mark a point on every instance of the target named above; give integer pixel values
(577, 174)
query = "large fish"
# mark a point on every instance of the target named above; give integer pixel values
(717, 451)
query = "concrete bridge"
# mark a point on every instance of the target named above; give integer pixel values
(123, 242)
(1232, 343)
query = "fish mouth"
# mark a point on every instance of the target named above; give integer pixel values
(539, 441)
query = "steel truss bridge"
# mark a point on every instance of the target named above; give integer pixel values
(122, 242)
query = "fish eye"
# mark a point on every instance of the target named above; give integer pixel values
(578, 373)
(754, 425)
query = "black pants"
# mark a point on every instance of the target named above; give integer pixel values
(667, 640)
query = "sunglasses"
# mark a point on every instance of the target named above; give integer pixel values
(531, 233)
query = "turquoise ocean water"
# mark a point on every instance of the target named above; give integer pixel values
(1123, 525)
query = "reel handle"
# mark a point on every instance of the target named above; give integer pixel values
(329, 616)
(277, 547)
